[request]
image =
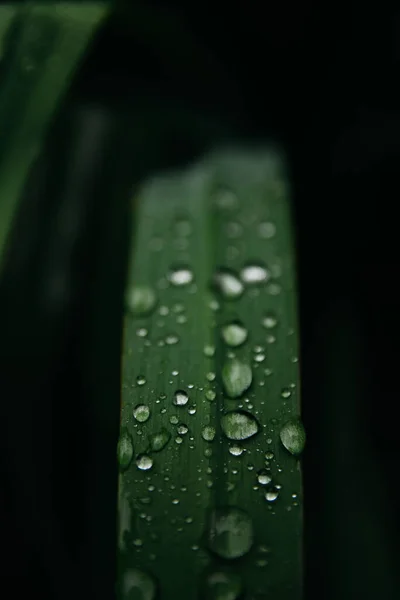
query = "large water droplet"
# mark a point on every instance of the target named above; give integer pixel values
(141, 413)
(234, 334)
(293, 436)
(208, 433)
(237, 377)
(144, 462)
(239, 425)
(159, 440)
(255, 273)
(141, 300)
(223, 586)
(228, 284)
(137, 585)
(180, 398)
(180, 276)
(230, 533)
(125, 450)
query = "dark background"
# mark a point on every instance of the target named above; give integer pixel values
(320, 78)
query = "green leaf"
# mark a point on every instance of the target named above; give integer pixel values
(211, 504)
(45, 43)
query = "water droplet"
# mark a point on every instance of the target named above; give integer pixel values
(266, 230)
(231, 532)
(178, 440)
(180, 276)
(226, 199)
(207, 452)
(210, 376)
(293, 436)
(209, 350)
(234, 334)
(239, 425)
(286, 393)
(253, 274)
(208, 433)
(210, 395)
(233, 230)
(171, 339)
(259, 358)
(263, 477)
(236, 450)
(144, 462)
(269, 321)
(183, 429)
(125, 451)
(269, 456)
(140, 379)
(142, 332)
(271, 496)
(237, 377)
(228, 284)
(137, 584)
(174, 420)
(223, 586)
(141, 300)
(180, 398)
(141, 413)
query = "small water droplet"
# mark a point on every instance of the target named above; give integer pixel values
(266, 230)
(230, 533)
(225, 199)
(259, 358)
(236, 450)
(180, 276)
(228, 284)
(182, 429)
(141, 413)
(140, 379)
(171, 339)
(207, 452)
(137, 584)
(174, 420)
(286, 393)
(178, 440)
(208, 433)
(141, 300)
(180, 398)
(223, 586)
(192, 410)
(209, 350)
(142, 332)
(269, 456)
(237, 377)
(210, 376)
(271, 496)
(210, 395)
(293, 436)
(138, 542)
(125, 450)
(263, 477)
(144, 462)
(234, 334)
(254, 273)
(239, 425)
(269, 321)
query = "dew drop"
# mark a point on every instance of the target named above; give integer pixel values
(293, 436)
(226, 199)
(223, 586)
(264, 477)
(174, 420)
(144, 462)
(141, 300)
(180, 276)
(208, 433)
(239, 425)
(237, 377)
(140, 379)
(271, 496)
(137, 584)
(141, 332)
(210, 376)
(125, 451)
(234, 334)
(269, 321)
(266, 230)
(254, 273)
(209, 350)
(210, 395)
(236, 450)
(228, 284)
(269, 456)
(141, 413)
(230, 533)
(182, 429)
(286, 393)
(180, 398)
(171, 339)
